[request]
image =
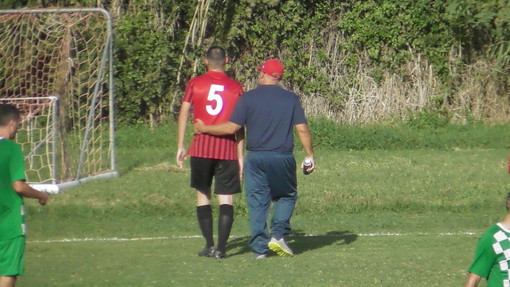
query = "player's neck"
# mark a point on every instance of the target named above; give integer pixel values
(216, 70)
(506, 221)
(4, 133)
(268, 82)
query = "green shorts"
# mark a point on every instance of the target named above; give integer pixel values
(12, 256)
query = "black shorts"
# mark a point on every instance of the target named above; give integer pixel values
(225, 173)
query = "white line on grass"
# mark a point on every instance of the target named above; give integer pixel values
(122, 239)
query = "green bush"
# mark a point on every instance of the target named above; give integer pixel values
(158, 46)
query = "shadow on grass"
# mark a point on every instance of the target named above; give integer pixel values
(299, 241)
(238, 242)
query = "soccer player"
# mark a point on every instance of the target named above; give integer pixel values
(213, 96)
(492, 255)
(12, 190)
(270, 113)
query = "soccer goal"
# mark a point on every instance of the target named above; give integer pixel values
(56, 66)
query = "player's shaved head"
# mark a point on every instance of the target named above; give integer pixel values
(216, 56)
(8, 113)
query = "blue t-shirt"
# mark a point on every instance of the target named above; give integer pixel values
(269, 113)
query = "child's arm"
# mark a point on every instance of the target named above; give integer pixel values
(23, 189)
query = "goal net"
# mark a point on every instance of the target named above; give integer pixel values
(56, 67)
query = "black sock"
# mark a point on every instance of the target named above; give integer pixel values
(225, 221)
(205, 221)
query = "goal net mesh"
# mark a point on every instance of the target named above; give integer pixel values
(54, 66)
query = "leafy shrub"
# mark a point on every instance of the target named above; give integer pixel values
(325, 45)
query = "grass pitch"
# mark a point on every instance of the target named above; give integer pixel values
(339, 257)
(364, 218)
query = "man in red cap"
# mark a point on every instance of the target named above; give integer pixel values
(270, 113)
(273, 68)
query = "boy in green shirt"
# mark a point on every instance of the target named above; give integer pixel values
(492, 255)
(12, 190)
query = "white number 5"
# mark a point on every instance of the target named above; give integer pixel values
(215, 97)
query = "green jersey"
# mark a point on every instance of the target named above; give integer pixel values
(492, 257)
(12, 168)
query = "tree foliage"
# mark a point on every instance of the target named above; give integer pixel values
(325, 45)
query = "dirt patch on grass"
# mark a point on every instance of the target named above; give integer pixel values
(164, 166)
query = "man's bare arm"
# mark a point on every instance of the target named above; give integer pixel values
(305, 138)
(182, 123)
(473, 280)
(25, 190)
(240, 151)
(226, 128)
(306, 141)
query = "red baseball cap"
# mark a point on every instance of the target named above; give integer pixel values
(273, 68)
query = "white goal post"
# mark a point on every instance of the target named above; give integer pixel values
(56, 66)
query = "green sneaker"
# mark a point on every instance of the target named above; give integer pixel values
(280, 247)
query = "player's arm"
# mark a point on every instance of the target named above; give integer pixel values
(306, 141)
(473, 280)
(25, 190)
(182, 123)
(226, 128)
(240, 151)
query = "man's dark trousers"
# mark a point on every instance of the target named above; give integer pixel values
(269, 177)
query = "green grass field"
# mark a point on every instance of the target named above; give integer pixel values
(371, 217)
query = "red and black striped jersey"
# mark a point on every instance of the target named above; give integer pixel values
(213, 97)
